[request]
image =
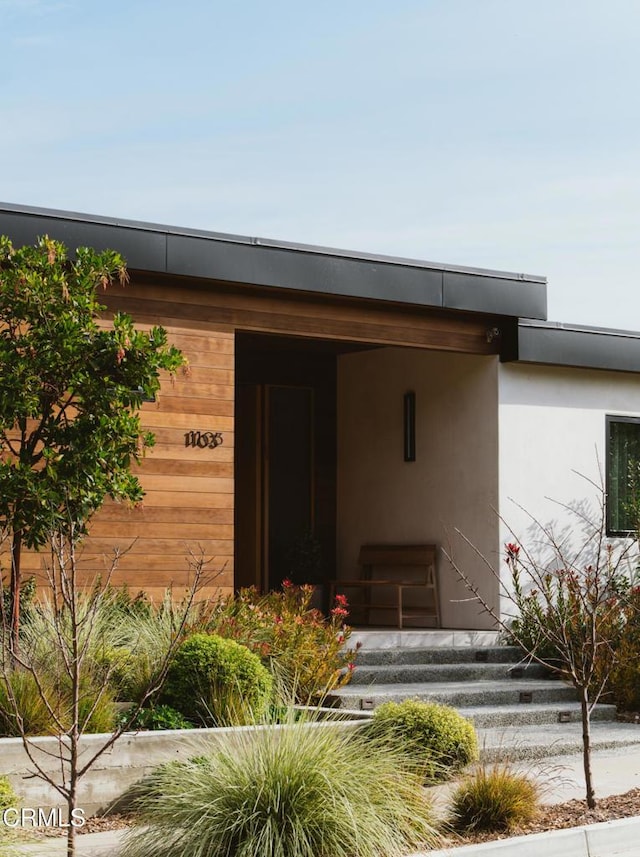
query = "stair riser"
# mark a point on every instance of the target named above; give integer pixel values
(521, 716)
(459, 655)
(408, 673)
(502, 696)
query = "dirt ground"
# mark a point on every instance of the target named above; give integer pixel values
(574, 813)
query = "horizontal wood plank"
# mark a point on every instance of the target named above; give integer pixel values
(180, 484)
(180, 532)
(142, 515)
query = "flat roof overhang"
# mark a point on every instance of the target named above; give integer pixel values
(275, 264)
(556, 344)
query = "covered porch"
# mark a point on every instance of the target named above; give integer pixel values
(322, 467)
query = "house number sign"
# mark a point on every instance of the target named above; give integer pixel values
(203, 439)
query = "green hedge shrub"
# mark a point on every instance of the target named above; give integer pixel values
(217, 682)
(436, 736)
(494, 799)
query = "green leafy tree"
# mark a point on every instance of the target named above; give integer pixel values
(70, 393)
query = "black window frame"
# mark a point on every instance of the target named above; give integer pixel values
(609, 420)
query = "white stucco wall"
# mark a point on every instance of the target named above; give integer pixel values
(552, 434)
(453, 482)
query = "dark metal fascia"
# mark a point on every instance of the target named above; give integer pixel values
(556, 344)
(269, 263)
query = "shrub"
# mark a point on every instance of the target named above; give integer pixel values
(303, 791)
(494, 799)
(305, 649)
(624, 678)
(159, 717)
(526, 634)
(217, 682)
(8, 797)
(436, 736)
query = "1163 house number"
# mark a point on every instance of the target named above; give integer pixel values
(203, 439)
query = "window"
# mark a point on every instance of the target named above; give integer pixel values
(623, 456)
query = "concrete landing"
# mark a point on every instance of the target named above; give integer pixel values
(426, 638)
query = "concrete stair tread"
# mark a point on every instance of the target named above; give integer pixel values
(470, 711)
(440, 655)
(552, 740)
(532, 715)
(467, 671)
(422, 687)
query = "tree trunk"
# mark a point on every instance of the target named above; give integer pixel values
(71, 805)
(14, 593)
(586, 747)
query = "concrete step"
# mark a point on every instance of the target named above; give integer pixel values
(495, 716)
(458, 694)
(440, 655)
(420, 638)
(461, 672)
(512, 743)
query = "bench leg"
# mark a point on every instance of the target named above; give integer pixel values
(400, 607)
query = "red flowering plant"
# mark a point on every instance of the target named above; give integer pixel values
(305, 649)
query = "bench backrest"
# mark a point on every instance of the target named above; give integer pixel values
(381, 560)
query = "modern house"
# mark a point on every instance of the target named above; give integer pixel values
(356, 397)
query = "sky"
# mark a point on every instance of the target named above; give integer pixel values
(495, 133)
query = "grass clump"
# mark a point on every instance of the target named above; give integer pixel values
(217, 682)
(301, 791)
(495, 798)
(34, 704)
(436, 736)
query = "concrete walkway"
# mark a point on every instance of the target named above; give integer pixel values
(615, 771)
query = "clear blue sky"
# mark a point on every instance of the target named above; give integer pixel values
(496, 133)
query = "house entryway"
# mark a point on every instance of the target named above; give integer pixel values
(286, 460)
(329, 459)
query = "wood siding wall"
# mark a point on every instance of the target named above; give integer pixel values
(188, 504)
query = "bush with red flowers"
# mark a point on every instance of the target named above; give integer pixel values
(305, 650)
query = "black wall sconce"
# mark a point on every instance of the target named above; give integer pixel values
(410, 426)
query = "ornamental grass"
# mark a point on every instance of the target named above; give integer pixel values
(494, 799)
(304, 790)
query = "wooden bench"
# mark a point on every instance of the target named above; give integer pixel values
(395, 569)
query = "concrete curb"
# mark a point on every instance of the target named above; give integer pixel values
(607, 839)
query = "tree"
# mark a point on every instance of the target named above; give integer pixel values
(70, 392)
(568, 599)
